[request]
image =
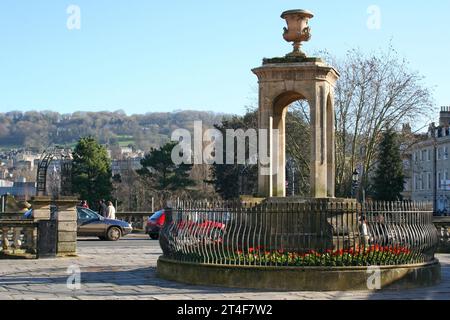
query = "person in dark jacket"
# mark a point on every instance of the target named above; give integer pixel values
(102, 208)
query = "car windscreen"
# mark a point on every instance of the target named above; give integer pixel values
(157, 215)
(86, 214)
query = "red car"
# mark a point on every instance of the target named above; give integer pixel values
(155, 223)
(197, 227)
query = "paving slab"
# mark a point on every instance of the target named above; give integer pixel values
(122, 272)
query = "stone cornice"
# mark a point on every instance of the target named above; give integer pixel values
(297, 71)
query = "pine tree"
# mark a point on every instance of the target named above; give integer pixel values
(161, 173)
(91, 171)
(230, 180)
(389, 179)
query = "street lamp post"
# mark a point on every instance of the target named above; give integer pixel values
(435, 180)
(291, 165)
(3, 203)
(355, 182)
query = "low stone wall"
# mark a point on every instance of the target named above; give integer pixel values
(138, 220)
(301, 279)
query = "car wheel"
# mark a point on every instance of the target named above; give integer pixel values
(113, 234)
(154, 236)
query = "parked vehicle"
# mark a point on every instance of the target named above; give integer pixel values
(155, 223)
(198, 225)
(91, 224)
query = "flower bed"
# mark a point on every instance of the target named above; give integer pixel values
(363, 256)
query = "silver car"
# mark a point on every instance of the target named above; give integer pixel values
(91, 224)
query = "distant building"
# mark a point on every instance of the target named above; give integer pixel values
(23, 165)
(123, 166)
(126, 150)
(20, 190)
(427, 166)
(26, 158)
(4, 173)
(6, 183)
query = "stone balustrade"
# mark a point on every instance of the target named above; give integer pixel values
(18, 238)
(138, 220)
(50, 231)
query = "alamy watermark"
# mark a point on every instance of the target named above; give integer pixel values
(74, 280)
(374, 279)
(74, 17)
(374, 19)
(239, 146)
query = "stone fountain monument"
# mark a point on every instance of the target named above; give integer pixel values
(283, 81)
(318, 243)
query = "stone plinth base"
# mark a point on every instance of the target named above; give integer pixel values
(301, 278)
(67, 226)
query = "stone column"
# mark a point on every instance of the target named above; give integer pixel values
(67, 226)
(279, 154)
(41, 208)
(265, 124)
(319, 188)
(331, 152)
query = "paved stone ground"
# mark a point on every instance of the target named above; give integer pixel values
(129, 272)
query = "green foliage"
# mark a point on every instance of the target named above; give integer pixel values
(231, 180)
(38, 130)
(91, 171)
(389, 179)
(360, 256)
(161, 173)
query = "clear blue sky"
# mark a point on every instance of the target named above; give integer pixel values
(147, 55)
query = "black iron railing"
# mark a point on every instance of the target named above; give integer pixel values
(318, 233)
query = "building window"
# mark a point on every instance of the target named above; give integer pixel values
(444, 183)
(424, 155)
(416, 182)
(439, 153)
(422, 182)
(429, 155)
(445, 153)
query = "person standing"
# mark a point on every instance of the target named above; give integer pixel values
(102, 208)
(365, 237)
(110, 211)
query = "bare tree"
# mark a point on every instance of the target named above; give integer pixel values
(298, 147)
(375, 91)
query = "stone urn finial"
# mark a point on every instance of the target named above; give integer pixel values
(297, 30)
